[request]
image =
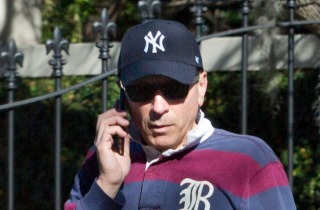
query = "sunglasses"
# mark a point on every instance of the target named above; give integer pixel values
(171, 90)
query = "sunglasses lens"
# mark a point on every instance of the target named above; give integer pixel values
(140, 93)
(175, 90)
(171, 90)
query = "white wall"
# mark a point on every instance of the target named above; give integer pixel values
(219, 54)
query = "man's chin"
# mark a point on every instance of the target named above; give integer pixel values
(163, 144)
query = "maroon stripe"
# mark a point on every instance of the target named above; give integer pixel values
(231, 171)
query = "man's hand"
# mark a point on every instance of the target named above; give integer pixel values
(113, 166)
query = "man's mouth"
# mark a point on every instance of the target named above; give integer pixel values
(159, 128)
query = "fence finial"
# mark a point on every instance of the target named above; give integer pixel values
(11, 59)
(57, 44)
(107, 31)
(149, 9)
(198, 8)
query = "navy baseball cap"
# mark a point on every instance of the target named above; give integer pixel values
(159, 47)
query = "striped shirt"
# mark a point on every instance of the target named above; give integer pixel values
(216, 170)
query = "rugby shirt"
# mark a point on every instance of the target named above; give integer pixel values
(216, 170)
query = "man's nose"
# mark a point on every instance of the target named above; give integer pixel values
(159, 104)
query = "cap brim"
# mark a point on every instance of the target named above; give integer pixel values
(180, 72)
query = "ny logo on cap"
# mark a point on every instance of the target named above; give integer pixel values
(153, 40)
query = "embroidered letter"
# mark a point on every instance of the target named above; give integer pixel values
(192, 195)
(153, 40)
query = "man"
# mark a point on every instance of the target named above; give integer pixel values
(173, 158)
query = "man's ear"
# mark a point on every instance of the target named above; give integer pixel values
(202, 87)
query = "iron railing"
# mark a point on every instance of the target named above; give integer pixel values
(106, 30)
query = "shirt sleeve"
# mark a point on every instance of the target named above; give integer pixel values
(86, 194)
(269, 187)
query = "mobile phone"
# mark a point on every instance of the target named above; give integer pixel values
(119, 142)
(121, 105)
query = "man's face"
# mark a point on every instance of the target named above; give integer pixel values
(164, 122)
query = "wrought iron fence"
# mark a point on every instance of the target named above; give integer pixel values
(106, 29)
